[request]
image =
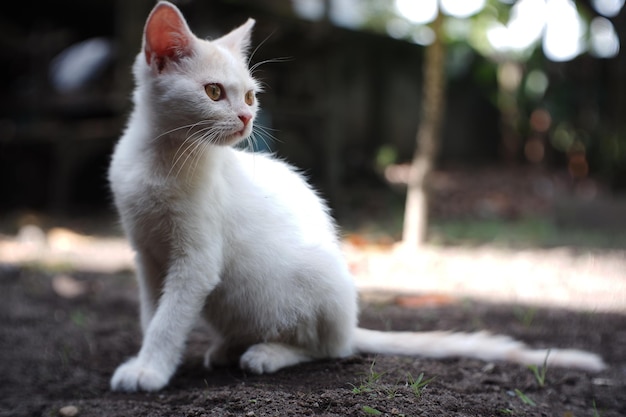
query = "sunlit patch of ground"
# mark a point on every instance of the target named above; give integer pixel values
(584, 279)
(560, 277)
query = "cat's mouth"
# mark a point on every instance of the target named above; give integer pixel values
(235, 137)
(244, 132)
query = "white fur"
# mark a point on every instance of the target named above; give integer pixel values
(239, 238)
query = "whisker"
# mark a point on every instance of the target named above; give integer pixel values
(189, 126)
(245, 144)
(259, 46)
(268, 146)
(199, 151)
(269, 61)
(207, 140)
(187, 144)
(265, 134)
(196, 145)
(200, 135)
(187, 147)
(254, 142)
(260, 126)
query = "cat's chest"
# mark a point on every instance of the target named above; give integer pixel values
(170, 206)
(163, 235)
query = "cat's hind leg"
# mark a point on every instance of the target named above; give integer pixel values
(219, 353)
(328, 338)
(326, 321)
(270, 357)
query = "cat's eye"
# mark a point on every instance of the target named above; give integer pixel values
(249, 98)
(214, 91)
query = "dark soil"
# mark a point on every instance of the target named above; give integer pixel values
(58, 352)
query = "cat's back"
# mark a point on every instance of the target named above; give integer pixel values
(270, 184)
(272, 175)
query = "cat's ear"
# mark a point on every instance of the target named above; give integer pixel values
(238, 40)
(166, 36)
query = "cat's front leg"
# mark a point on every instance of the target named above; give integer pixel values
(183, 297)
(150, 280)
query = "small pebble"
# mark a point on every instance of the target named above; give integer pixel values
(68, 411)
(488, 368)
(603, 382)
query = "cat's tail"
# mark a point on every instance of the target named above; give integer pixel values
(480, 345)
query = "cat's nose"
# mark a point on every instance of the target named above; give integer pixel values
(245, 118)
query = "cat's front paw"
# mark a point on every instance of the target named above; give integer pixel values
(136, 376)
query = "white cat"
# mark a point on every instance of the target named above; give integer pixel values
(240, 238)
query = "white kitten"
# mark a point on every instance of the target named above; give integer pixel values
(239, 238)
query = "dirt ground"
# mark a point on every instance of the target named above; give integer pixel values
(62, 335)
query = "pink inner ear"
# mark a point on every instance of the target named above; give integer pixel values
(166, 34)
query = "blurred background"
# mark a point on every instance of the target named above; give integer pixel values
(506, 119)
(531, 148)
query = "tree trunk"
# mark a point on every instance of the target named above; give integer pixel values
(427, 138)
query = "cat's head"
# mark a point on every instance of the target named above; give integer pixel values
(195, 85)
